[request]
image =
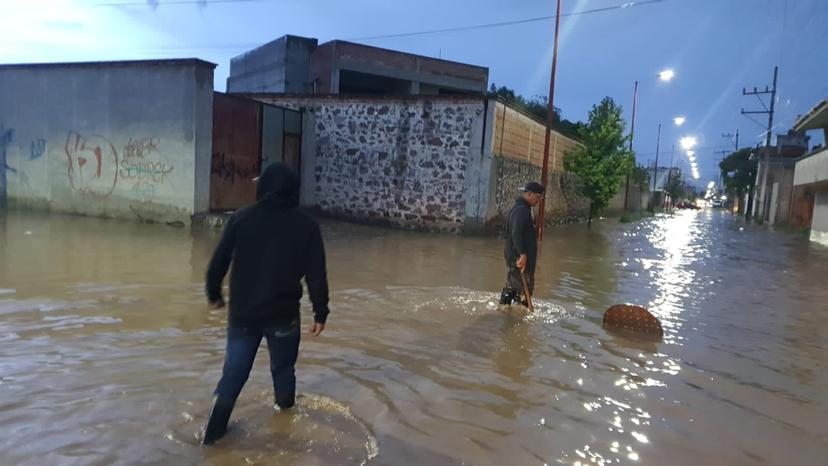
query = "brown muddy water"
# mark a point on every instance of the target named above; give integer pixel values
(108, 354)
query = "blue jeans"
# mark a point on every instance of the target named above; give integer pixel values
(242, 344)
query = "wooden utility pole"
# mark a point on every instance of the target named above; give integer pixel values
(550, 115)
(768, 135)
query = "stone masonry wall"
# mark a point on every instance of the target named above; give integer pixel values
(394, 160)
(563, 204)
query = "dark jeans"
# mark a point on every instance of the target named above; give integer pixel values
(514, 282)
(242, 344)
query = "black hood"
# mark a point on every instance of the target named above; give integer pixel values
(278, 184)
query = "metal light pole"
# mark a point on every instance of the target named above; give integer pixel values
(655, 170)
(550, 114)
(665, 76)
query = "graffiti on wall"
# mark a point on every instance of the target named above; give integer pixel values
(37, 149)
(230, 169)
(95, 168)
(92, 164)
(141, 167)
(6, 135)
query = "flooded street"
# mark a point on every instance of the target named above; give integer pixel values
(108, 354)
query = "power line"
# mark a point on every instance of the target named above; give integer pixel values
(510, 23)
(390, 36)
(155, 4)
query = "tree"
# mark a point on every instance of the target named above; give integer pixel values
(603, 160)
(675, 186)
(538, 107)
(739, 174)
(641, 177)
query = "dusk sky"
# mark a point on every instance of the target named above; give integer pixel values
(716, 47)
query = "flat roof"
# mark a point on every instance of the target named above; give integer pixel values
(469, 97)
(816, 118)
(92, 64)
(355, 44)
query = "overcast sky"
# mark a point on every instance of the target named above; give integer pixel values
(716, 47)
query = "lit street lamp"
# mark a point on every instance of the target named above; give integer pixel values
(666, 76)
(678, 122)
(687, 142)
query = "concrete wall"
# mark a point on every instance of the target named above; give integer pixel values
(331, 57)
(278, 66)
(410, 162)
(637, 197)
(773, 201)
(812, 169)
(783, 182)
(116, 139)
(819, 224)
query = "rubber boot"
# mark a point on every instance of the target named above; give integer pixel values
(219, 417)
(507, 296)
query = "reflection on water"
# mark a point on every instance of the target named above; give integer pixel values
(109, 355)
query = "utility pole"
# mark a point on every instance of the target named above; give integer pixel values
(550, 115)
(730, 137)
(768, 135)
(723, 153)
(632, 134)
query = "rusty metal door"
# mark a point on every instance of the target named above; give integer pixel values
(293, 151)
(237, 152)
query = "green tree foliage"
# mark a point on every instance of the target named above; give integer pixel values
(603, 160)
(739, 172)
(538, 107)
(675, 187)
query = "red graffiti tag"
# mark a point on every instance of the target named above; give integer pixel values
(99, 180)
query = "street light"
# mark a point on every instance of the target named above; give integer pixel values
(655, 169)
(666, 75)
(687, 142)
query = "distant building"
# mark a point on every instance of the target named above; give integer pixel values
(775, 177)
(293, 64)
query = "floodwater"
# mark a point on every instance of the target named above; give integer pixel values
(108, 354)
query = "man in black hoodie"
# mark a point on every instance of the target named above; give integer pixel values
(272, 245)
(521, 251)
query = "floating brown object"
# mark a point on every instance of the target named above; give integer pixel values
(632, 318)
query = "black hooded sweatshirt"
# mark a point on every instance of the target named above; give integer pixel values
(272, 245)
(520, 235)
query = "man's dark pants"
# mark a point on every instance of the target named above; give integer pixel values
(514, 285)
(242, 344)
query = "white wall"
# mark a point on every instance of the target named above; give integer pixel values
(819, 224)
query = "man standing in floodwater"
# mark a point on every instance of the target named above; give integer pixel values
(272, 245)
(521, 250)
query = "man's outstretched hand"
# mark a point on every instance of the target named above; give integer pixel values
(317, 329)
